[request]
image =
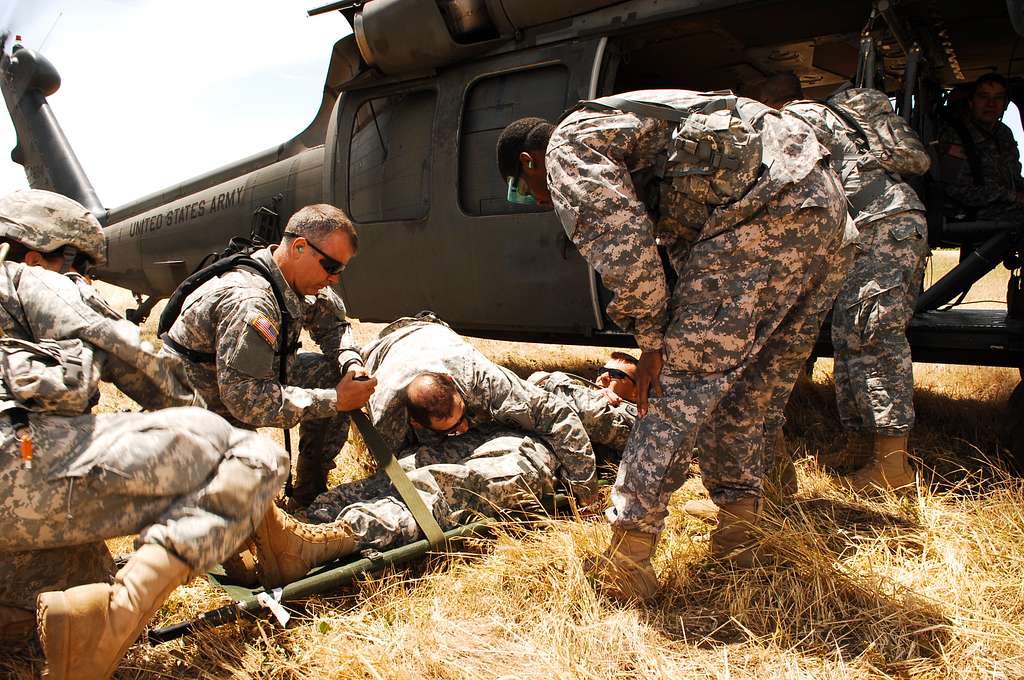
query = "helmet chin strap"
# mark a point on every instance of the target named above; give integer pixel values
(70, 253)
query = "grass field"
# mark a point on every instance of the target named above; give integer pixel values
(925, 587)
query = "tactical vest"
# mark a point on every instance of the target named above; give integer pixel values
(887, 137)
(713, 158)
(48, 376)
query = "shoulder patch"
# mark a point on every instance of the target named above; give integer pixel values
(265, 327)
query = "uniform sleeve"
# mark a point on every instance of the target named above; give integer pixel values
(957, 179)
(247, 331)
(595, 200)
(55, 308)
(515, 402)
(328, 324)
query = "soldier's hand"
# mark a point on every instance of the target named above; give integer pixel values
(648, 377)
(610, 395)
(357, 372)
(354, 391)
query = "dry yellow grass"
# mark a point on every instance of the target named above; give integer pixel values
(924, 587)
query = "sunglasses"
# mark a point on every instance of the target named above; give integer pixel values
(616, 374)
(329, 264)
(453, 430)
(519, 194)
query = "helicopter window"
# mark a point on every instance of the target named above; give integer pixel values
(389, 157)
(491, 104)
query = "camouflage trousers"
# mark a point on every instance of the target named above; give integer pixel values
(742, 296)
(478, 474)
(873, 369)
(321, 439)
(30, 572)
(606, 424)
(180, 478)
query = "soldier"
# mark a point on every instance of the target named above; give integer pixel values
(228, 330)
(606, 407)
(752, 220)
(873, 369)
(473, 437)
(979, 158)
(190, 485)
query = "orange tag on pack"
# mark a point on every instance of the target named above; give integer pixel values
(26, 450)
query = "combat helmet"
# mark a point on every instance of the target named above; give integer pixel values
(45, 221)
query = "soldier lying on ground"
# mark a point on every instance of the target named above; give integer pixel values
(606, 407)
(473, 436)
(190, 485)
(753, 222)
(228, 334)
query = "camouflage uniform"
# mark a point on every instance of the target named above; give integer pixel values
(990, 196)
(753, 250)
(488, 467)
(607, 425)
(235, 317)
(481, 473)
(873, 369)
(182, 478)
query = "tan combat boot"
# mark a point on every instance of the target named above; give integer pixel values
(625, 569)
(781, 483)
(732, 538)
(287, 549)
(240, 568)
(86, 630)
(889, 469)
(701, 508)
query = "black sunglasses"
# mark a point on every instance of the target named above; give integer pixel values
(617, 374)
(330, 265)
(453, 430)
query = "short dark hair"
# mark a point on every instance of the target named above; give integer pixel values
(778, 89)
(525, 134)
(991, 78)
(435, 397)
(625, 358)
(317, 222)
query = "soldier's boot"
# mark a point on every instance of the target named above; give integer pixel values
(854, 454)
(889, 468)
(287, 549)
(86, 630)
(241, 567)
(782, 482)
(310, 482)
(701, 508)
(733, 538)
(625, 570)
(16, 623)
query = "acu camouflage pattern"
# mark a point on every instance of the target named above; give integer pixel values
(891, 142)
(607, 425)
(873, 369)
(45, 221)
(482, 473)
(492, 393)
(993, 197)
(760, 267)
(243, 385)
(181, 478)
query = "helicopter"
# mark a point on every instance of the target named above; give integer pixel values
(413, 102)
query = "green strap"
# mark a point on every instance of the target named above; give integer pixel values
(387, 462)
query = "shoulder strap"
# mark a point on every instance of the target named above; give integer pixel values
(852, 122)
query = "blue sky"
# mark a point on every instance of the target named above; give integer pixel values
(156, 92)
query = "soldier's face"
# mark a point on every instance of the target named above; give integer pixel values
(455, 424)
(620, 376)
(310, 275)
(988, 103)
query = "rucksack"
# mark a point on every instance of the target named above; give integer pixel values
(48, 376)
(889, 139)
(237, 255)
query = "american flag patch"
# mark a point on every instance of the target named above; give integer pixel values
(266, 328)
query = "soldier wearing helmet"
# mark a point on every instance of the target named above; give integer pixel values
(52, 231)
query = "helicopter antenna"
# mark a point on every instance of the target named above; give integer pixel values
(50, 32)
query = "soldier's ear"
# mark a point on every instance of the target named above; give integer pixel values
(525, 160)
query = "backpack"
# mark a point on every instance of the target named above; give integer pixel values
(237, 255)
(889, 139)
(48, 376)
